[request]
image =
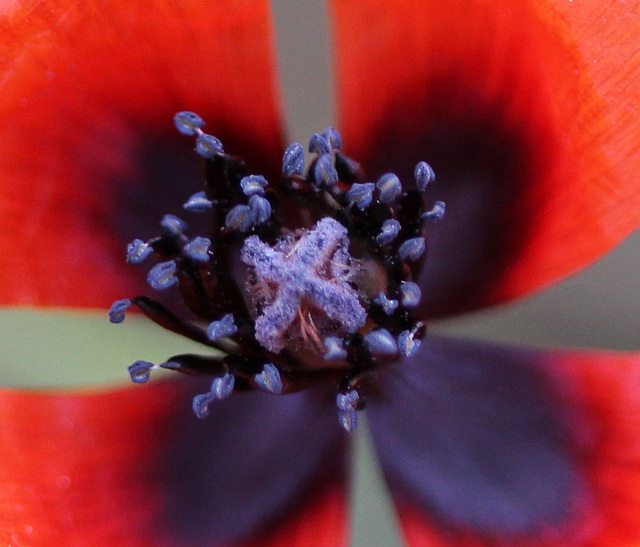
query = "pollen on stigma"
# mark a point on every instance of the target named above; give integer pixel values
(321, 301)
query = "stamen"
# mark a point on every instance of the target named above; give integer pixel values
(269, 379)
(293, 160)
(140, 371)
(324, 172)
(260, 209)
(222, 328)
(188, 123)
(412, 249)
(334, 349)
(347, 404)
(173, 225)
(381, 343)
(198, 203)
(116, 312)
(361, 194)
(239, 218)
(436, 213)
(388, 232)
(407, 344)
(424, 174)
(221, 388)
(389, 306)
(137, 251)
(389, 187)
(198, 249)
(411, 294)
(208, 146)
(333, 137)
(253, 184)
(162, 275)
(319, 145)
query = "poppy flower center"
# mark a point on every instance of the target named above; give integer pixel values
(305, 282)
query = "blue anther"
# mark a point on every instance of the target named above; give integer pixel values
(162, 275)
(424, 174)
(361, 194)
(389, 306)
(208, 146)
(436, 213)
(350, 399)
(407, 344)
(347, 404)
(411, 294)
(389, 187)
(201, 404)
(253, 184)
(137, 251)
(333, 137)
(140, 371)
(334, 349)
(381, 343)
(260, 209)
(412, 249)
(319, 145)
(198, 203)
(173, 225)
(293, 160)
(188, 123)
(223, 327)
(117, 309)
(388, 231)
(239, 218)
(269, 379)
(222, 387)
(324, 171)
(198, 249)
(348, 420)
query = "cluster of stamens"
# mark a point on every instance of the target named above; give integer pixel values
(323, 298)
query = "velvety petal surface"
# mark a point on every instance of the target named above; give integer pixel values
(528, 113)
(134, 466)
(88, 153)
(489, 445)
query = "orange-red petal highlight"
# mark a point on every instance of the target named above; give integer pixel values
(87, 95)
(528, 112)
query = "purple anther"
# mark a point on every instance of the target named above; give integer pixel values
(388, 231)
(201, 404)
(173, 225)
(140, 371)
(389, 306)
(222, 387)
(412, 249)
(188, 123)
(198, 203)
(389, 187)
(117, 309)
(424, 174)
(239, 218)
(361, 194)
(333, 137)
(381, 343)
(293, 160)
(223, 327)
(436, 213)
(269, 379)
(162, 275)
(334, 349)
(260, 209)
(411, 294)
(198, 249)
(253, 184)
(324, 172)
(347, 404)
(319, 145)
(208, 146)
(407, 344)
(137, 251)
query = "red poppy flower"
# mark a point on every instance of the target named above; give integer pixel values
(526, 110)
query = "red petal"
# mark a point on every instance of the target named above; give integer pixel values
(598, 395)
(92, 469)
(528, 113)
(87, 143)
